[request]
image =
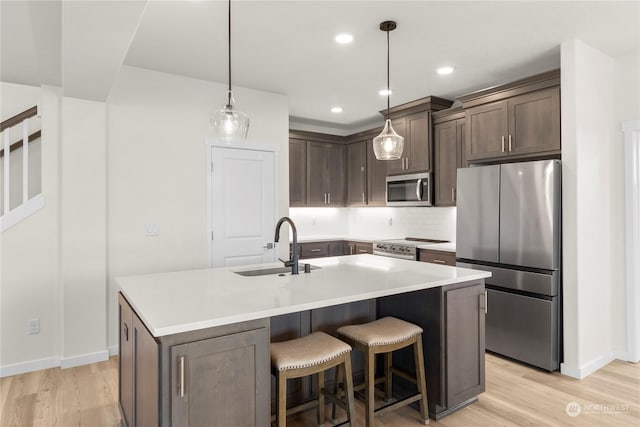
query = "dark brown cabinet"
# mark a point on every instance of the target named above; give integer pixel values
(325, 174)
(297, 172)
(517, 120)
(413, 122)
(453, 319)
(357, 174)
(209, 386)
(437, 257)
(448, 140)
(376, 178)
(191, 378)
(138, 358)
(357, 248)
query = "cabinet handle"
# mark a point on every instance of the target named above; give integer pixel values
(329, 198)
(503, 143)
(126, 332)
(453, 197)
(363, 202)
(509, 142)
(483, 301)
(364, 251)
(315, 250)
(350, 250)
(439, 261)
(325, 198)
(181, 368)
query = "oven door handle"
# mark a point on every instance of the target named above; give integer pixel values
(419, 189)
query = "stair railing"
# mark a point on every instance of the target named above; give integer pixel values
(7, 147)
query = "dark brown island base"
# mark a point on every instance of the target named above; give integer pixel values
(194, 345)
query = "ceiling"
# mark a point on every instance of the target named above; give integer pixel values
(288, 47)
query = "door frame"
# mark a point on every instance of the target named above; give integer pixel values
(210, 144)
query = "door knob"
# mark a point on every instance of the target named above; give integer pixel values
(268, 246)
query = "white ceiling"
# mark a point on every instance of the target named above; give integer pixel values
(287, 47)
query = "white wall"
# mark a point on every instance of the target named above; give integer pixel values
(627, 107)
(83, 232)
(588, 211)
(156, 168)
(320, 222)
(17, 98)
(29, 279)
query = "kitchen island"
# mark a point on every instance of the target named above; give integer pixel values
(194, 345)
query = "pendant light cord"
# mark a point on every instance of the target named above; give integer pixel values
(388, 88)
(229, 51)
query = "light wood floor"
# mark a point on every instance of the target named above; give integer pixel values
(516, 396)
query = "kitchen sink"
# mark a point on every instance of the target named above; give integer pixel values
(273, 270)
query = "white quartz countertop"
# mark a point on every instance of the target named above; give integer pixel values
(329, 238)
(171, 303)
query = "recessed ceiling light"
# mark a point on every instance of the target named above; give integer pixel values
(444, 70)
(385, 92)
(344, 38)
(336, 110)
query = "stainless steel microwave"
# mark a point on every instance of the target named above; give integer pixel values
(409, 190)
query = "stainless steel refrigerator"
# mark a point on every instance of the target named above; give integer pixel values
(508, 223)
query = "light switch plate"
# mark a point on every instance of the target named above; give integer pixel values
(151, 230)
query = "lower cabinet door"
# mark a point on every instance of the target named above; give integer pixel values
(126, 371)
(221, 381)
(465, 327)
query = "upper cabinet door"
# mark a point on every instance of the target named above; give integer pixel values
(487, 131)
(418, 151)
(357, 174)
(316, 174)
(376, 178)
(445, 162)
(297, 172)
(398, 166)
(335, 175)
(534, 122)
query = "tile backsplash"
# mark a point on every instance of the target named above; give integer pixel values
(377, 223)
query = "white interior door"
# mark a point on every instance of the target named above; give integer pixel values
(243, 206)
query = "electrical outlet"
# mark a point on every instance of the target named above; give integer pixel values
(33, 326)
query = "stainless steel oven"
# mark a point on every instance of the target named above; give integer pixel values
(409, 190)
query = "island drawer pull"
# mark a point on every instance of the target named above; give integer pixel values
(362, 250)
(315, 250)
(439, 261)
(181, 373)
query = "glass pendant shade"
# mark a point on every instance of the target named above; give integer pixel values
(388, 145)
(230, 126)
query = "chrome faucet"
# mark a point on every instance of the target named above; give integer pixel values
(293, 262)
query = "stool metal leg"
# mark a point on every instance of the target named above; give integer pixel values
(420, 380)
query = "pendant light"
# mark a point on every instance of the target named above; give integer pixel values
(230, 126)
(388, 145)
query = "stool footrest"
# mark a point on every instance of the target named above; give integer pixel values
(400, 403)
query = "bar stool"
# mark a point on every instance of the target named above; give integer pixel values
(385, 336)
(308, 355)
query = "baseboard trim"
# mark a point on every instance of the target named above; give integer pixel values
(588, 368)
(114, 350)
(30, 366)
(84, 359)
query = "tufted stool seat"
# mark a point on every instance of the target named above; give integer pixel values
(308, 355)
(383, 336)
